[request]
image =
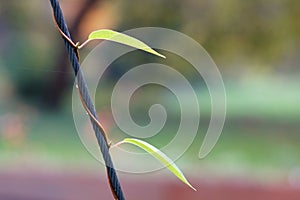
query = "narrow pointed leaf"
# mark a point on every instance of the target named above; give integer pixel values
(160, 156)
(122, 38)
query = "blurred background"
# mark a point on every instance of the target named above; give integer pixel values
(255, 44)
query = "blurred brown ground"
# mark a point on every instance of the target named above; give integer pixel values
(45, 186)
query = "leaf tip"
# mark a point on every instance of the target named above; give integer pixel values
(162, 56)
(188, 184)
(193, 188)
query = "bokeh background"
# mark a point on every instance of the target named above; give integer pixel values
(256, 45)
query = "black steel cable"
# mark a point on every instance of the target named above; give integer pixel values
(83, 89)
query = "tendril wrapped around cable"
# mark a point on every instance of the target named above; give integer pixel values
(87, 101)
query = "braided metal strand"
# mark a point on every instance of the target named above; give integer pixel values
(83, 89)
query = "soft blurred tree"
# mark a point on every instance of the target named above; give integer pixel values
(57, 85)
(25, 52)
(136, 13)
(261, 35)
(38, 66)
(258, 33)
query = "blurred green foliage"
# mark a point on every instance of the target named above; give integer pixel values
(256, 36)
(260, 35)
(28, 51)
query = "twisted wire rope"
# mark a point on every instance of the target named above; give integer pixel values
(83, 90)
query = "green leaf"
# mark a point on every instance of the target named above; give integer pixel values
(160, 156)
(114, 36)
